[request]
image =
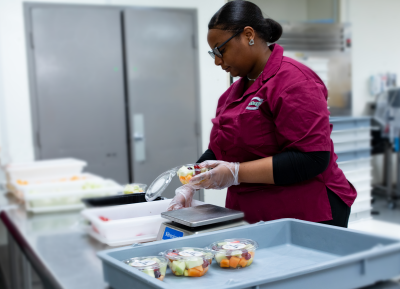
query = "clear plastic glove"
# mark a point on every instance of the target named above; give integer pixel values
(222, 175)
(183, 198)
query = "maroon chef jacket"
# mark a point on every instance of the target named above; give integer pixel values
(285, 109)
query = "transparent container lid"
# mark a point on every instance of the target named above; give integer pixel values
(150, 262)
(159, 185)
(186, 253)
(231, 245)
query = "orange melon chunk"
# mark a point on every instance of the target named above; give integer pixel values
(224, 263)
(204, 271)
(199, 268)
(161, 278)
(183, 180)
(243, 262)
(194, 273)
(233, 262)
(252, 254)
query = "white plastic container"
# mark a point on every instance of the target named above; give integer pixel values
(350, 134)
(52, 185)
(355, 164)
(358, 175)
(362, 184)
(357, 215)
(361, 203)
(128, 224)
(352, 144)
(68, 197)
(44, 169)
(364, 193)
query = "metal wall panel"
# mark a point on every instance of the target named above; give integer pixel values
(162, 84)
(77, 86)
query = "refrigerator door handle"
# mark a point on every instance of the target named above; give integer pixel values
(139, 140)
(138, 136)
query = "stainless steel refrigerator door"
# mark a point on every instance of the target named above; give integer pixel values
(162, 86)
(77, 83)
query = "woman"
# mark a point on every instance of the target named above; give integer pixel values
(271, 133)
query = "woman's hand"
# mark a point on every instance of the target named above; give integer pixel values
(183, 198)
(222, 175)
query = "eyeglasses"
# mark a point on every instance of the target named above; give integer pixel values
(216, 52)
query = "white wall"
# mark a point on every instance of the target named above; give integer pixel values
(376, 45)
(15, 117)
(287, 10)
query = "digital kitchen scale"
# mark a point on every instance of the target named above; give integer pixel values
(197, 220)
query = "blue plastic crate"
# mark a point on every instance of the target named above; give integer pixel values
(343, 123)
(292, 254)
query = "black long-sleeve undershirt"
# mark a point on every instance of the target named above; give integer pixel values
(291, 167)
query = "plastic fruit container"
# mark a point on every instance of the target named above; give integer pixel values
(134, 188)
(153, 266)
(189, 262)
(186, 172)
(234, 253)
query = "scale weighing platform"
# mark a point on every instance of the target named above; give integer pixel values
(197, 220)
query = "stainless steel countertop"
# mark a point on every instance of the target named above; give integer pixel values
(57, 247)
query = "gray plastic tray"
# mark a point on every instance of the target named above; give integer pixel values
(292, 254)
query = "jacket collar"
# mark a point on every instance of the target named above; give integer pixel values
(273, 63)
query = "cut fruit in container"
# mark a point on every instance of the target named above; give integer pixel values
(234, 253)
(153, 266)
(186, 172)
(188, 261)
(134, 188)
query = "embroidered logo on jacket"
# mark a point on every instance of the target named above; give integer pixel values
(254, 103)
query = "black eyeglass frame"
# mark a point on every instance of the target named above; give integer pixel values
(216, 52)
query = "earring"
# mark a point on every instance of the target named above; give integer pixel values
(251, 42)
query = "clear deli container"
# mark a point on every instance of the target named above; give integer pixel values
(189, 261)
(56, 184)
(44, 169)
(186, 172)
(134, 188)
(153, 266)
(66, 196)
(234, 253)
